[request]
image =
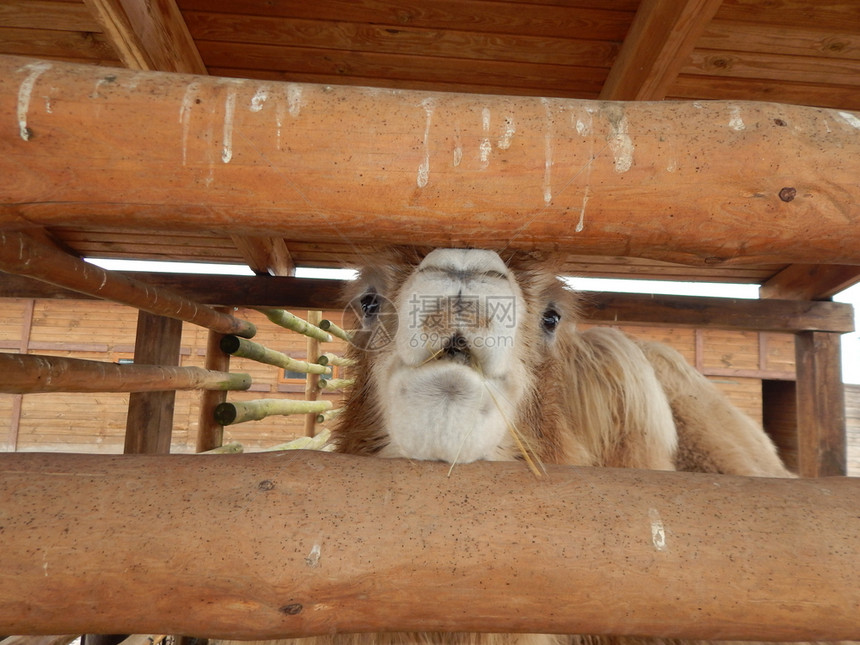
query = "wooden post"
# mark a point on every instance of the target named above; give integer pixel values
(698, 183)
(23, 255)
(150, 414)
(396, 545)
(210, 433)
(820, 405)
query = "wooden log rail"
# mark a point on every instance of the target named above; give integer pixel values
(320, 543)
(22, 254)
(698, 183)
(28, 373)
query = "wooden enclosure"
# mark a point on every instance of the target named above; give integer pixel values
(329, 130)
(339, 543)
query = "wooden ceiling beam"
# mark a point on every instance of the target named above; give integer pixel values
(661, 38)
(613, 308)
(810, 281)
(266, 255)
(148, 35)
(670, 181)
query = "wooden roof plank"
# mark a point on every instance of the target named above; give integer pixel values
(399, 39)
(148, 35)
(659, 41)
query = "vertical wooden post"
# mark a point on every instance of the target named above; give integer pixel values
(18, 399)
(210, 433)
(150, 414)
(312, 380)
(820, 405)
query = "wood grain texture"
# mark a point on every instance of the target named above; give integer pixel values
(395, 544)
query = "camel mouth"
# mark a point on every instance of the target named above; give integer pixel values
(456, 350)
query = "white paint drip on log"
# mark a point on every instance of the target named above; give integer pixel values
(424, 166)
(581, 223)
(294, 99)
(621, 144)
(259, 99)
(229, 115)
(658, 531)
(313, 558)
(185, 115)
(508, 134)
(735, 121)
(547, 145)
(24, 94)
(486, 146)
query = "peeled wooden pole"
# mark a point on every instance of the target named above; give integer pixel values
(22, 254)
(699, 183)
(28, 373)
(248, 349)
(318, 543)
(240, 411)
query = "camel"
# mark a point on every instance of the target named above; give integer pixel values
(461, 356)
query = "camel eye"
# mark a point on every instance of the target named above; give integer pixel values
(550, 319)
(369, 305)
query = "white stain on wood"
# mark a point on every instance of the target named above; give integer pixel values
(581, 223)
(424, 166)
(294, 99)
(486, 146)
(658, 531)
(621, 144)
(25, 92)
(259, 99)
(229, 116)
(850, 119)
(508, 133)
(735, 121)
(549, 135)
(188, 100)
(313, 558)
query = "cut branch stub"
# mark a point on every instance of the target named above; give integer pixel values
(254, 351)
(241, 411)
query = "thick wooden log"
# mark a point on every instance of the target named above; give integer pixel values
(21, 254)
(725, 313)
(29, 373)
(323, 543)
(697, 183)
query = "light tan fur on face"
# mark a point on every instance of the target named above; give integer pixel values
(593, 398)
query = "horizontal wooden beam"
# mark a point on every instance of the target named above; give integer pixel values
(308, 293)
(397, 545)
(696, 183)
(23, 255)
(25, 373)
